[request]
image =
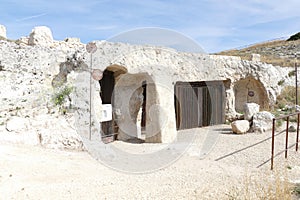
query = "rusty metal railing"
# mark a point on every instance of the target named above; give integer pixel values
(287, 117)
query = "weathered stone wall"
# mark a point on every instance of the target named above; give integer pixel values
(26, 94)
(167, 66)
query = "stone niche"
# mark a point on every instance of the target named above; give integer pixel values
(250, 90)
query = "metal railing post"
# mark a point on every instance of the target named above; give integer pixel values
(273, 137)
(287, 135)
(287, 117)
(297, 137)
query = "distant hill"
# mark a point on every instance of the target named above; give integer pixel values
(277, 52)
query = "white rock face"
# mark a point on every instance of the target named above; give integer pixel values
(250, 109)
(72, 40)
(24, 40)
(17, 124)
(240, 126)
(262, 121)
(61, 139)
(64, 137)
(2, 31)
(40, 35)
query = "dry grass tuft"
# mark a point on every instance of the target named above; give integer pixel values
(273, 186)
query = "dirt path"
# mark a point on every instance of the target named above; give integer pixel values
(28, 172)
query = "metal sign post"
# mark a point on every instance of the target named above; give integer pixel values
(91, 48)
(296, 81)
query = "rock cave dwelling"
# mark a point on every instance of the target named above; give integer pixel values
(127, 91)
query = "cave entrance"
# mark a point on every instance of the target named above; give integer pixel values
(109, 127)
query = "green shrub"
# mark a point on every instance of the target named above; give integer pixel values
(291, 73)
(281, 82)
(278, 123)
(296, 190)
(60, 97)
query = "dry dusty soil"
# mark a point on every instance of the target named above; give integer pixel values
(228, 166)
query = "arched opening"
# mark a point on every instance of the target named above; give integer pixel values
(250, 90)
(133, 117)
(111, 75)
(134, 109)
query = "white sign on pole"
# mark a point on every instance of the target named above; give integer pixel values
(106, 113)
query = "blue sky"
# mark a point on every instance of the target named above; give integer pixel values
(215, 24)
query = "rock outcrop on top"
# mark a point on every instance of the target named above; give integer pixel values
(41, 35)
(2, 31)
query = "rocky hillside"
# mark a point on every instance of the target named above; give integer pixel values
(279, 52)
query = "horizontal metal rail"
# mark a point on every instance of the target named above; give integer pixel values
(287, 117)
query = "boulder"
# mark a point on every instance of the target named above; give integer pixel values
(255, 57)
(250, 109)
(240, 126)
(262, 121)
(2, 31)
(40, 35)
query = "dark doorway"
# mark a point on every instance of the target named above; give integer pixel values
(107, 84)
(141, 112)
(143, 121)
(199, 104)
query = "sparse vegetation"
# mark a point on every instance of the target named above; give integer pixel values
(287, 97)
(294, 37)
(285, 104)
(296, 190)
(61, 96)
(270, 186)
(278, 52)
(278, 123)
(291, 73)
(281, 82)
(6, 39)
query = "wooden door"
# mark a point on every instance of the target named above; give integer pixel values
(199, 104)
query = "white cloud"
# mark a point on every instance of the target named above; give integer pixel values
(30, 17)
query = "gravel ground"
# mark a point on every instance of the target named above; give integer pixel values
(217, 167)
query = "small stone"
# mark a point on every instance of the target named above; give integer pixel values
(255, 57)
(292, 128)
(297, 108)
(240, 126)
